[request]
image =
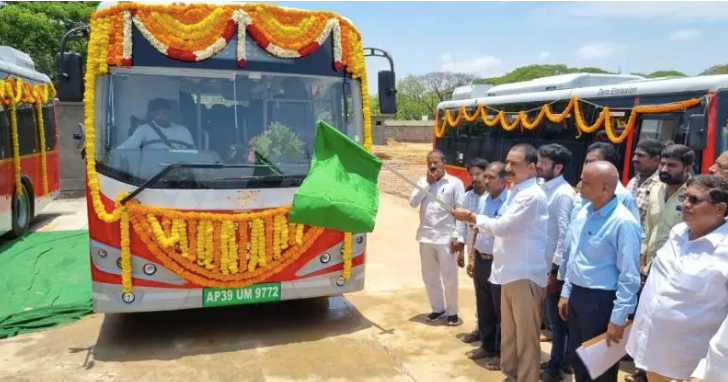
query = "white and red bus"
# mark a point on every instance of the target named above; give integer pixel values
(699, 123)
(17, 209)
(200, 122)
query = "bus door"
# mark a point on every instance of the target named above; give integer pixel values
(7, 174)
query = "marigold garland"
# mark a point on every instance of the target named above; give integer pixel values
(346, 250)
(521, 118)
(14, 91)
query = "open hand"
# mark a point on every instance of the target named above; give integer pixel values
(470, 269)
(564, 308)
(461, 259)
(461, 214)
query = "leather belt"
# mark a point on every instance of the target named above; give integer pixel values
(484, 256)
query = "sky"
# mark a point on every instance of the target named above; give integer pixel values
(492, 38)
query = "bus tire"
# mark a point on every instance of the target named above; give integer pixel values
(22, 213)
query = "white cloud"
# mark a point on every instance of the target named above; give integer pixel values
(598, 50)
(685, 34)
(543, 56)
(471, 63)
(681, 11)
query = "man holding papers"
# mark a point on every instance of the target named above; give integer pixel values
(602, 277)
(685, 299)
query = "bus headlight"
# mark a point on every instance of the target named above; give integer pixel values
(150, 269)
(128, 297)
(102, 253)
(325, 258)
(340, 281)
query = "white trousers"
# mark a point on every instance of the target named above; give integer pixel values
(439, 268)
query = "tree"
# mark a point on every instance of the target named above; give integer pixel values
(531, 72)
(374, 105)
(661, 73)
(716, 69)
(442, 84)
(38, 27)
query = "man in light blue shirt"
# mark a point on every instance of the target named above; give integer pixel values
(602, 278)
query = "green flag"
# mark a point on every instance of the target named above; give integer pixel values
(341, 191)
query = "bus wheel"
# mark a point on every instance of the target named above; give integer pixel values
(21, 214)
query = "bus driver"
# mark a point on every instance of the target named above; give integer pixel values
(160, 132)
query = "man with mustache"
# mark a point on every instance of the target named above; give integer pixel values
(438, 236)
(552, 161)
(664, 207)
(519, 263)
(685, 300)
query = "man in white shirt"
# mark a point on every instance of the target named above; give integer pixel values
(552, 159)
(685, 298)
(160, 132)
(519, 263)
(714, 367)
(438, 235)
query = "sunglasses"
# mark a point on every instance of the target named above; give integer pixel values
(694, 200)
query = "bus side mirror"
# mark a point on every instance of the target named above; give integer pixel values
(70, 77)
(697, 129)
(387, 93)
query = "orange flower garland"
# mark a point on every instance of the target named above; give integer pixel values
(521, 118)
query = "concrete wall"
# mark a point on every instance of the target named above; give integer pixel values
(73, 174)
(402, 131)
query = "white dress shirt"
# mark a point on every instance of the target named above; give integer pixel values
(437, 225)
(560, 200)
(473, 203)
(683, 303)
(714, 367)
(520, 236)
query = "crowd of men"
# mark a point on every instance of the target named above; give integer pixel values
(583, 261)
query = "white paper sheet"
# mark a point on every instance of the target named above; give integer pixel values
(598, 357)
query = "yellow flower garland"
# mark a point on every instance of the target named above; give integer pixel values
(204, 248)
(605, 118)
(13, 92)
(346, 255)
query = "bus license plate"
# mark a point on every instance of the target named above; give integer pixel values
(251, 294)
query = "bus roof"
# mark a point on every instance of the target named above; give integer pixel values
(16, 63)
(628, 88)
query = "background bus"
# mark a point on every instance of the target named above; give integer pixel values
(251, 112)
(18, 209)
(702, 126)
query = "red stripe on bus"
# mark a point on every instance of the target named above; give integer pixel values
(709, 152)
(628, 150)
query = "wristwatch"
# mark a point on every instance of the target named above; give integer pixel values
(554, 269)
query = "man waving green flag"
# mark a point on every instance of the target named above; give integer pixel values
(340, 191)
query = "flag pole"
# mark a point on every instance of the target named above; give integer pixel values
(440, 202)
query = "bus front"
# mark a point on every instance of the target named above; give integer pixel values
(200, 124)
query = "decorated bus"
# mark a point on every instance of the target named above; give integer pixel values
(29, 172)
(199, 127)
(576, 110)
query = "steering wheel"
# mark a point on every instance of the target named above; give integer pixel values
(181, 143)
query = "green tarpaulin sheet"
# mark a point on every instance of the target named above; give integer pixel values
(45, 280)
(340, 191)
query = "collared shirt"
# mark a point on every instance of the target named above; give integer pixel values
(683, 303)
(520, 235)
(473, 202)
(560, 201)
(662, 216)
(437, 225)
(144, 134)
(491, 208)
(623, 196)
(714, 367)
(641, 192)
(605, 247)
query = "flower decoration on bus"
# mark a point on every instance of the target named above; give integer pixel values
(511, 120)
(14, 91)
(213, 249)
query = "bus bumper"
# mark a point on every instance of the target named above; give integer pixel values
(107, 297)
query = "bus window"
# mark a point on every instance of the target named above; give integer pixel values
(27, 131)
(446, 144)
(483, 142)
(659, 129)
(515, 136)
(561, 133)
(5, 149)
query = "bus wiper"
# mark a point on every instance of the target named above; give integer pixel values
(174, 166)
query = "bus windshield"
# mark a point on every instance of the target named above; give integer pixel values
(155, 117)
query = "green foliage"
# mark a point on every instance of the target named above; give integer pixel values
(279, 142)
(531, 72)
(374, 105)
(661, 73)
(717, 69)
(38, 27)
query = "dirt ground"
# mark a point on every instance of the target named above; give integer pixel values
(408, 159)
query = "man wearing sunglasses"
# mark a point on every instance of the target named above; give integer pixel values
(685, 299)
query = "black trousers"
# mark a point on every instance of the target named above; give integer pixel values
(487, 299)
(589, 314)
